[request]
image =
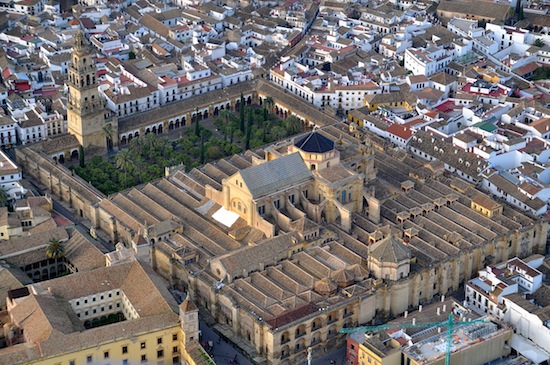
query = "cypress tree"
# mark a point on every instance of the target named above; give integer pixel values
(81, 156)
(202, 148)
(196, 120)
(241, 112)
(248, 130)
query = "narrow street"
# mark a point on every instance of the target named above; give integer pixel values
(222, 352)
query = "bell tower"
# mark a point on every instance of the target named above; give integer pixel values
(89, 118)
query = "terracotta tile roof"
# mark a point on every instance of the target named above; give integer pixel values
(529, 188)
(542, 125)
(47, 317)
(292, 315)
(486, 202)
(400, 131)
(390, 249)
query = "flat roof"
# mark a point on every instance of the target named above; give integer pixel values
(7, 166)
(432, 348)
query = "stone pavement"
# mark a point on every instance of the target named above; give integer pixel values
(223, 350)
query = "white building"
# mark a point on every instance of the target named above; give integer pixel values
(531, 325)
(323, 89)
(28, 7)
(501, 290)
(10, 177)
(30, 128)
(426, 61)
(485, 294)
(8, 135)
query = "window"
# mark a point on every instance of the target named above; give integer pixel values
(89, 359)
(175, 349)
(143, 358)
(106, 354)
(159, 340)
(142, 345)
(160, 353)
(125, 362)
(71, 362)
(174, 337)
(124, 349)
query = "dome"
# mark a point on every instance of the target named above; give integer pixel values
(314, 143)
(325, 286)
(361, 272)
(344, 278)
(390, 249)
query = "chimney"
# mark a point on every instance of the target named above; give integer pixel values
(406, 314)
(414, 321)
(438, 311)
(442, 298)
(420, 308)
(444, 308)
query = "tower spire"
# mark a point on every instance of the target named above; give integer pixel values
(81, 44)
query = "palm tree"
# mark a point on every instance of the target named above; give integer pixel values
(4, 196)
(140, 166)
(55, 249)
(293, 125)
(226, 115)
(136, 146)
(150, 145)
(107, 132)
(278, 133)
(270, 103)
(539, 42)
(124, 162)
